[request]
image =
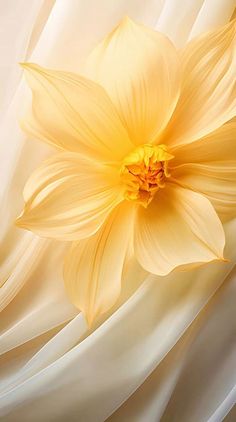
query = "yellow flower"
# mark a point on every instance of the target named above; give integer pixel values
(146, 157)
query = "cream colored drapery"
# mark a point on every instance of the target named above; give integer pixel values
(166, 352)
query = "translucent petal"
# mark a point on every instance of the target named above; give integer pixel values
(140, 70)
(209, 167)
(69, 197)
(180, 228)
(208, 94)
(93, 267)
(75, 114)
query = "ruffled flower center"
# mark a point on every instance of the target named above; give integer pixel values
(144, 172)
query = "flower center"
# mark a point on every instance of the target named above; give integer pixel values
(144, 172)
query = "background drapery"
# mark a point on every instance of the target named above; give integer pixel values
(167, 350)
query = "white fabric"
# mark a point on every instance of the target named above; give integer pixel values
(212, 14)
(177, 19)
(141, 359)
(18, 20)
(197, 377)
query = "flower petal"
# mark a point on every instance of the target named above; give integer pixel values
(93, 267)
(179, 228)
(208, 95)
(139, 68)
(209, 167)
(75, 114)
(69, 197)
(219, 145)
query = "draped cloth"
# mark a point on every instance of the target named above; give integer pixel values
(166, 351)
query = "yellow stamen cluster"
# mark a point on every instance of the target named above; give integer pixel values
(144, 171)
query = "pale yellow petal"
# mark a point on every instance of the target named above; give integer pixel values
(208, 94)
(179, 228)
(75, 114)
(93, 267)
(69, 197)
(209, 167)
(219, 145)
(139, 67)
